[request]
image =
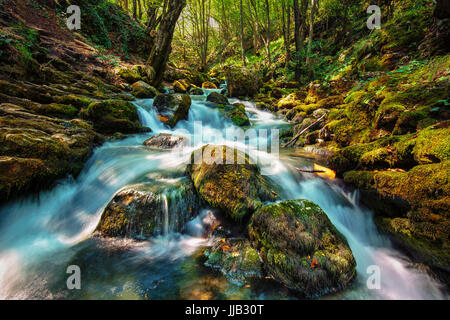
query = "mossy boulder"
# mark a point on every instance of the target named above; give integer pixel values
(172, 108)
(387, 116)
(209, 85)
(236, 259)
(129, 75)
(164, 141)
(112, 116)
(236, 113)
(217, 98)
(36, 150)
(292, 100)
(301, 248)
(143, 90)
(412, 206)
(243, 82)
(150, 209)
(226, 179)
(181, 86)
(196, 92)
(433, 145)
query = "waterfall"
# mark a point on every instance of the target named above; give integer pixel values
(166, 214)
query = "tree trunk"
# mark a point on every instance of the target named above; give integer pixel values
(242, 33)
(442, 10)
(268, 36)
(135, 9)
(162, 47)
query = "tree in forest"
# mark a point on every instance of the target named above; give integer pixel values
(241, 12)
(200, 16)
(162, 45)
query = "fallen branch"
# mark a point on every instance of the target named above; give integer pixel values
(293, 140)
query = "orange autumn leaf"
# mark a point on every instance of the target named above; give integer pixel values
(314, 263)
(226, 248)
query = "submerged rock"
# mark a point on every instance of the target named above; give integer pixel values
(172, 107)
(217, 98)
(164, 141)
(301, 248)
(150, 209)
(236, 259)
(236, 188)
(143, 90)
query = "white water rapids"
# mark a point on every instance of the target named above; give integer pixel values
(41, 235)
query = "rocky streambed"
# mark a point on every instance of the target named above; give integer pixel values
(143, 221)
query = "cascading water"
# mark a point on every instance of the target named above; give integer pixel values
(166, 215)
(41, 236)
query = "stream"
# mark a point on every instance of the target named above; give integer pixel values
(41, 235)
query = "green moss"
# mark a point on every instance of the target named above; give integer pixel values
(433, 145)
(301, 248)
(113, 116)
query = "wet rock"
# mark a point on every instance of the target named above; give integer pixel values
(112, 116)
(217, 98)
(143, 90)
(236, 113)
(234, 186)
(150, 209)
(172, 107)
(181, 86)
(236, 259)
(411, 206)
(196, 92)
(164, 141)
(301, 248)
(209, 85)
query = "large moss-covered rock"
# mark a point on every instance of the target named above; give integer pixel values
(143, 90)
(301, 248)
(150, 209)
(36, 150)
(412, 206)
(209, 85)
(217, 98)
(181, 86)
(235, 185)
(433, 145)
(112, 116)
(172, 108)
(236, 259)
(243, 82)
(236, 113)
(129, 75)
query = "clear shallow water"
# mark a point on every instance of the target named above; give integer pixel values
(41, 236)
